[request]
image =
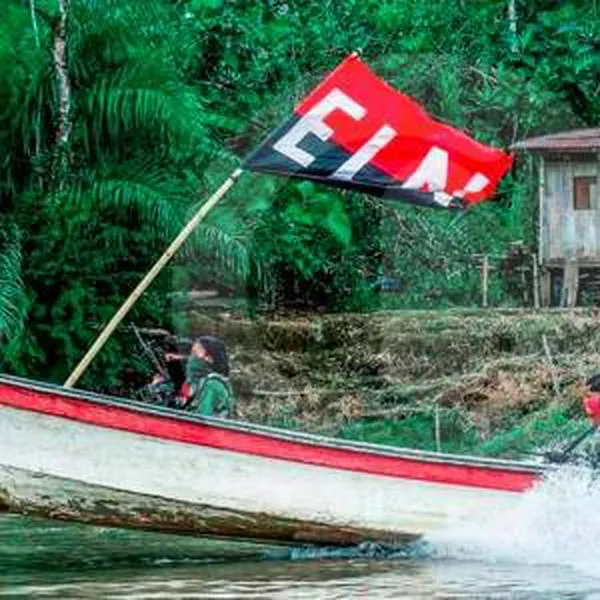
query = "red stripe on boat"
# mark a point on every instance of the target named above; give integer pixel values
(259, 444)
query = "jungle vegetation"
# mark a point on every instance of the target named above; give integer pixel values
(118, 117)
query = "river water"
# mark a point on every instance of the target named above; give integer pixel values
(547, 548)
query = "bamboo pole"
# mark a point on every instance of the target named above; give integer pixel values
(147, 280)
(485, 270)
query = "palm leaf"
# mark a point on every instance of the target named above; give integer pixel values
(143, 99)
(12, 293)
(229, 251)
(25, 86)
(143, 194)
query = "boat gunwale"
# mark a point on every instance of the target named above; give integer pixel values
(271, 432)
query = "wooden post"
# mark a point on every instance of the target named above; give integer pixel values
(438, 434)
(551, 365)
(485, 269)
(536, 281)
(565, 285)
(522, 269)
(570, 285)
(147, 280)
(574, 284)
(546, 287)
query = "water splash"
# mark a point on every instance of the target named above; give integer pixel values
(558, 522)
(366, 550)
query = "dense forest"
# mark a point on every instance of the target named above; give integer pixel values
(119, 117)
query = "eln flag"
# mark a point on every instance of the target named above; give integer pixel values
(355, 131)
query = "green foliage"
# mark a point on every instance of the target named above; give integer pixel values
(536, 432)
(551, 427)
(132, 169)
(313, 245)
(459, 61)
(416, 431)
(12, 294)
(166, 97)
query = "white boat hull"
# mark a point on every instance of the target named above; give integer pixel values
(61, 467)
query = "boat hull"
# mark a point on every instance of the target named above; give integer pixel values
(76, 456)
(26, 493)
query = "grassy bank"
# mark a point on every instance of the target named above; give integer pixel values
(500, 382)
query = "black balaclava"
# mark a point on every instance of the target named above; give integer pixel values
(215, 347)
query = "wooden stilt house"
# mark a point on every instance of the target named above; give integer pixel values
(569, 210)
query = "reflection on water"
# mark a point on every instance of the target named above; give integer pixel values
(547, 547)
(39, 559)
(28, 545)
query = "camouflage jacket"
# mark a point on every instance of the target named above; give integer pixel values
(211, 396)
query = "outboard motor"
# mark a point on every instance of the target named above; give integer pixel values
(591, 405)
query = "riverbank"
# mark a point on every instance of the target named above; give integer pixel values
(492, 382)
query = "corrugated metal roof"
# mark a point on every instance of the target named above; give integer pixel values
(578, 140)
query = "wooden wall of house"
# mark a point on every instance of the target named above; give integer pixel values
(567, 233)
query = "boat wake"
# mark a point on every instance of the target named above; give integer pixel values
(557, 523)
(366, 550)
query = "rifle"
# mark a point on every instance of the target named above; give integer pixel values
(149, 352)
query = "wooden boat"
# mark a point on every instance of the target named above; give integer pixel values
(75, 455)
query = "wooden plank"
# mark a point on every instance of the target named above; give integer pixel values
(558, 263)
(556, 200)
(568, 217)
(596, 220)
(584, 208)
(543, 213)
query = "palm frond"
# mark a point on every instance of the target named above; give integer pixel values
(230, 252)
(25, 87)
(141, 99)
(12, 293)
(144, 194)
(125, 61)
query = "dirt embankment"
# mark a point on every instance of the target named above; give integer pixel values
(321, 373)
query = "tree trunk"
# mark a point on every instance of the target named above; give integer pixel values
(512, 25)
(34, 23)
(64, 86)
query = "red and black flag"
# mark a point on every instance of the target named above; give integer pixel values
(355, 131)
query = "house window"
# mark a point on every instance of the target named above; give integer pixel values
(584, 190)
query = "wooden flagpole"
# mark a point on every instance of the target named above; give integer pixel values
(147, 280)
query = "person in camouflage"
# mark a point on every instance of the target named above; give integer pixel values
(196, 380)
(206, 390)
